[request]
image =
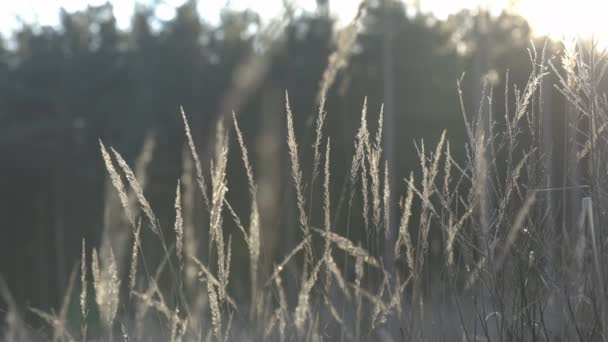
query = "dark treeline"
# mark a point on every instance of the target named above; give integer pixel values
(64, 88)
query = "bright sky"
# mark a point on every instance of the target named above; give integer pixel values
(557, 18)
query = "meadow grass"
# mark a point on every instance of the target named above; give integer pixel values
(512, 264)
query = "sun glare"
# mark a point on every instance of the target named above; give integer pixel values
(566, 19)
(557, 18)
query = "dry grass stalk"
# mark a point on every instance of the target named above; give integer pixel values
(216, 316)
(330, 264)
(517, 226)
(479, 267)
(253, 239)
(237, 221)
(447, 173)
(279, 268)
(282, 307)
(296, 174)
(219, 189)
(428, 189)
(580, 155)
(529, 91)
(245, 154)
(349, 247)
(134, 257)
(318, 137)
(365, 195)
(107, 285)
(395, 301)
(14, 327)
(83, 281)
(271, 323)
(255, 246)
(197, 162)
(179, 224)
(191, 236)
(206, 276)
(48, 318)
(512, 185)
(332, 267)
(326, 212)
(123, 330)
(228, 327)
(358, 295)
(178, 327)
(436, 158)
(153, 298)
(141, 164)
(404, 238)
(326, 200)
(302, 309)
(374, 154)
(312, 334)
(453, 230)
(386, 199)
(361, 141)
(141, 310)
(228, 263)
(379, 305)
(204, 271)
(143, 202)
(333, 311)
(117, 182)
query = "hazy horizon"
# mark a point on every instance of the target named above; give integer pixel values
(581, 21)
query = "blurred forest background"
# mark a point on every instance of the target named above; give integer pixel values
(64, 88)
